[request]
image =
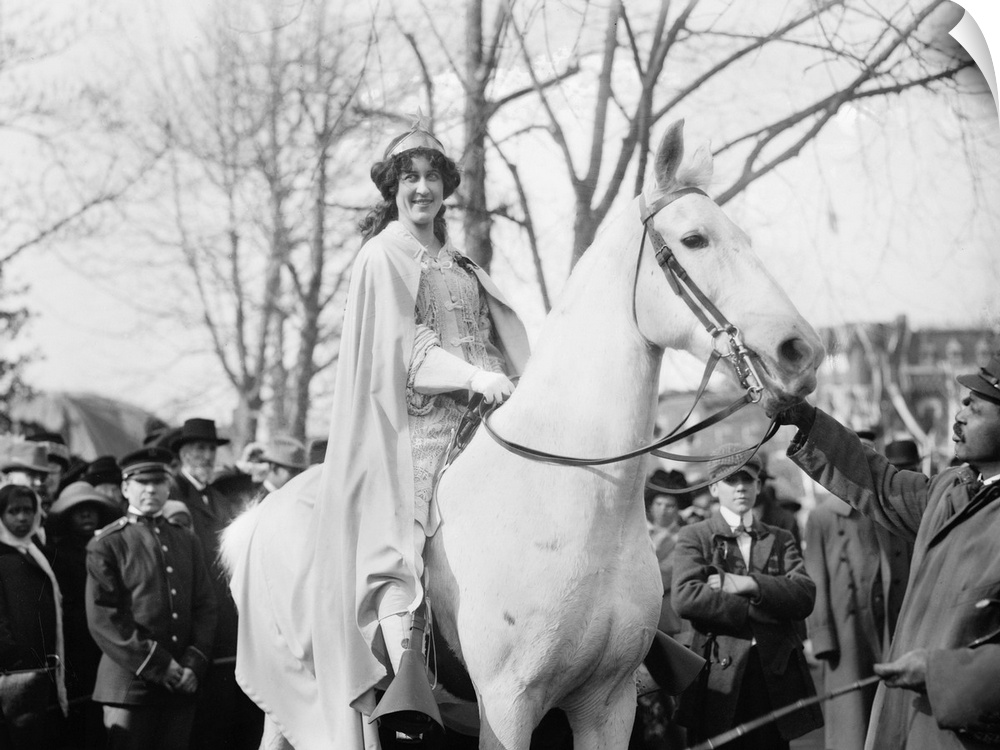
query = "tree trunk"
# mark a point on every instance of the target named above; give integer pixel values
(478, 244)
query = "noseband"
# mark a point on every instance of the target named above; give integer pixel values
(718, 327)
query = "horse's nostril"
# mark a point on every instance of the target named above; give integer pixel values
(795, 352)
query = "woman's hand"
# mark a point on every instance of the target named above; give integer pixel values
(495, 386)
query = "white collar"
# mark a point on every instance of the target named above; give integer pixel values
(992, 480)
(136, 512)
(734, 520)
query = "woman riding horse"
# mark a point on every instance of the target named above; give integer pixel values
(424, 327)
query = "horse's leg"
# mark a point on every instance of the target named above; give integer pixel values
(505, 723)
(604, 726)
(272, 738)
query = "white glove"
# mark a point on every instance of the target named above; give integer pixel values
(495, 386)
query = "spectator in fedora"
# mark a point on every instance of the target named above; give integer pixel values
(903, 454)
(243, 482)
(285, 457)
(58, 458)
(225, 717)
(105, 476)
(78, 513)
(151, 609)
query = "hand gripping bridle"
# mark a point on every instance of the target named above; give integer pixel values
(724, 334)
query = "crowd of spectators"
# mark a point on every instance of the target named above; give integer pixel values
(63, 521)
(842, 576)
(855, 575)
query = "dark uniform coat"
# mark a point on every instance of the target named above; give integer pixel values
(149, 600)
(854, 563)
(725, 625)
(955, 528)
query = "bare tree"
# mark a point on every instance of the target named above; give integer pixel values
(679, 55)
(258, 132)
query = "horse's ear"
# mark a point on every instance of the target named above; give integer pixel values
(697, 171)
(669, 155)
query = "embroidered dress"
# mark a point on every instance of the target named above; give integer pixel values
(450, 313)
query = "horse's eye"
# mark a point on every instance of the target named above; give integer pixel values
(694, 241)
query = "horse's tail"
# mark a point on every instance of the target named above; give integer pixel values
(235, 538)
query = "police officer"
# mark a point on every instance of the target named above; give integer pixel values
(152, 610)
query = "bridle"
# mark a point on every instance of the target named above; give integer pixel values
(711, 318)
(733, 349)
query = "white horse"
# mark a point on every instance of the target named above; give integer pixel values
(541, 577)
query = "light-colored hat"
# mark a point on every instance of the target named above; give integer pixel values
(288, 452)
(76, 493)
(27, 456)
(728, 457)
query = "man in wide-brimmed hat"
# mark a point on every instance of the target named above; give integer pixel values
(225, 715)
(943, 666)
(58, 457)
(286, 457)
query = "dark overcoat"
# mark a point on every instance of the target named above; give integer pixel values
(955, 528)
(27, 612)
(69, 563)
(149, 600)
(211, 512)
(860, 571)
(726, 625)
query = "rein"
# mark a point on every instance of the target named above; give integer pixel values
(717, 326)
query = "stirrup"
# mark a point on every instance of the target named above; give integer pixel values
(408, 705)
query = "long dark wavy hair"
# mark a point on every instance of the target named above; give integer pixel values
(385, 174)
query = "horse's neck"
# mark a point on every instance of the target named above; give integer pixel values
(592, 380)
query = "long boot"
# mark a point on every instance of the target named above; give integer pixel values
(396, 634)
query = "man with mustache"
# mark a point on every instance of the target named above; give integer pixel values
(226, 718)
(941, 679)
